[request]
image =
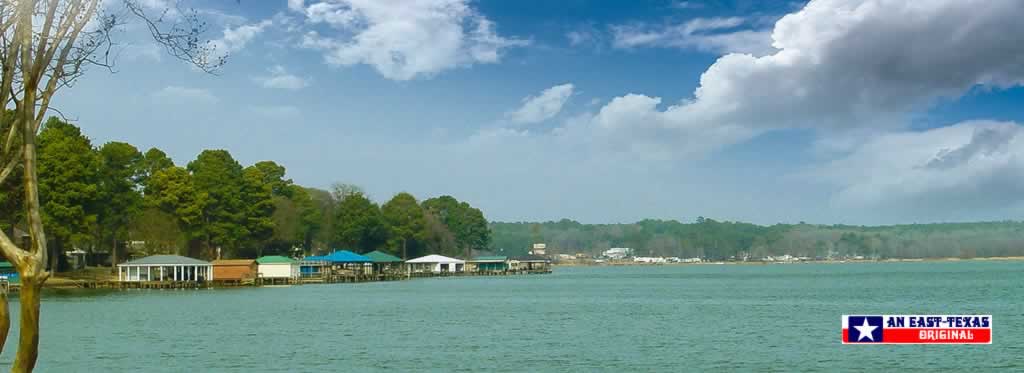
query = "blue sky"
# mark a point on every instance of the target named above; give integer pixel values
(835, 111)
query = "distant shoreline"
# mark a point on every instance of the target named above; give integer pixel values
(893, 260)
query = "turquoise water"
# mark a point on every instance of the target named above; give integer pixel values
(669, 318)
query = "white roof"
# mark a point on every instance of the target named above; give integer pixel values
(436, 259)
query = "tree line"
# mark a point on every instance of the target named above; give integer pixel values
(724, 240)
(115, 198)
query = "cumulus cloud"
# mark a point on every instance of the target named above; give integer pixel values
(236, 38)
(546, 105)
(179, 94)
(280, 78)
(950, 170)
(840, 65)
(404, 40)
(718, 34)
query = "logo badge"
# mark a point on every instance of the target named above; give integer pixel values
(917, 329)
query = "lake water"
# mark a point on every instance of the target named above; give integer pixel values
(668, 318)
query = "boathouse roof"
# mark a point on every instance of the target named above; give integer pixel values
(165, 260)
(381, 257)
(435, 259)
(489, 259)
(340, 256)
(275, 259)
(233, 262)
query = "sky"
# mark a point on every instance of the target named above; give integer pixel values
(832, 112)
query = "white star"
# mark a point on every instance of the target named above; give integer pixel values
(865, 331)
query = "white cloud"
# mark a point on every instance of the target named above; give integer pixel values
(687, 5)
(546, 105)
(586, 35)
(179, 94)
(841, 65)
(952, 170)
(404, 40)
(578, 37)
(280, 78)
(719, 34)
(236, 38)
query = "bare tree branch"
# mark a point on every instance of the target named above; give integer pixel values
(8, 168)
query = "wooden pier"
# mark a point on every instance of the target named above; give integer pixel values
(324, 279)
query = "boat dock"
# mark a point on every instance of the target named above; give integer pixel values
(331, 279)
(178, 272)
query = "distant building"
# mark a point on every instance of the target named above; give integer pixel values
(436, 264)
(530, 263)
(618, 253)
(165, 268)
(234, 269)
(277, 267)
(489, 264)
(539, 249)
(384, 262)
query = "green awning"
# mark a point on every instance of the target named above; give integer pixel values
(382, 257)
(273, 259)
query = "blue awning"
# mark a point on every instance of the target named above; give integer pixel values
(340, 256)
(345, 256)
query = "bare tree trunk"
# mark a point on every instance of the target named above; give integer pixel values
(58, 246)
(28, 341)
(113, 256)
(31, 267)
(5, 319)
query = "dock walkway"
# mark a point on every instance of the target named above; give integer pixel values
(324, 279)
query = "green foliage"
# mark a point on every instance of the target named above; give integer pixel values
(465, 222)
(257, 194)
(340, 191)
(95, 197)
(153, 161)
(68, 179)
(406, 225)
(359, 224)
(12, 192)
(272, 175)
(439, 238)
(224, 221)
(119, 198)
(161, 231)
(172, 191)
(325, 204)
(297, 221)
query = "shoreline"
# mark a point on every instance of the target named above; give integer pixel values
(892, 260)
(66, 283)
